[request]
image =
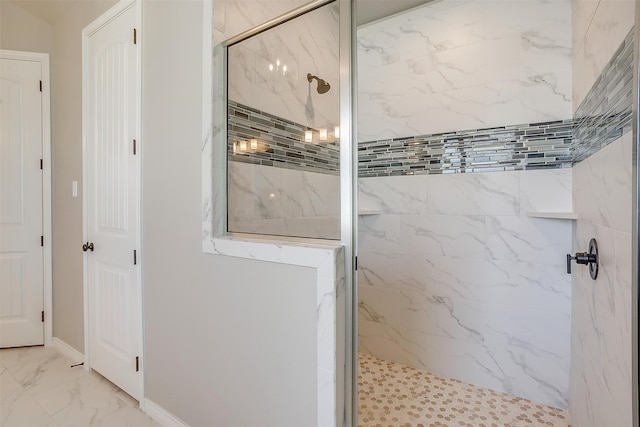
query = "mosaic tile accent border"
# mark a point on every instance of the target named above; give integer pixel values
(505, 148)
(518, 147)
(604, 116)
(606, 112)
(282, 140)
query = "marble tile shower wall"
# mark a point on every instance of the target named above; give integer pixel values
(269, 71)
(456, 279)
(291, 188)
(287, 202)
(459, 64)
(601, 389)
(601, 310)
(604, 115)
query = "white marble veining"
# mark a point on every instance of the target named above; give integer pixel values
(582, 15)
(457, 65)
(268, 200)
(457, 280)
(39, 388)
(535, 195)
(309, 47)
(232, 17)
(305, 206)
(606, 172)
(542, 241)
(476, 194)
(507, 348)
(601, 309)
(328, 260)
(269, 71)
(598, 31)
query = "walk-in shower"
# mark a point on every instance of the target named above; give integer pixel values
(493, 142)
(493, 139)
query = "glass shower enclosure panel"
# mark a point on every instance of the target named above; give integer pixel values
(283, 133)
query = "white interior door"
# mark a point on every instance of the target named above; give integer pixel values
(112, 201)
(21, 198)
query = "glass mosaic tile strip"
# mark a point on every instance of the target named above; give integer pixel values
(278, 142)
(606, 112)
(504, 148)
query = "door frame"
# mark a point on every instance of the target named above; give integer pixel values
(115, 11)
(43, 60)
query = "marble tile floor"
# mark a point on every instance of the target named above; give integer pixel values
(391, 394)
(39, 388)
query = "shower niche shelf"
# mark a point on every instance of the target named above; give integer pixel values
(367, 212)
(553, 215)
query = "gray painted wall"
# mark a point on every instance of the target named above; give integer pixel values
(20, 30)
(66, 118)
(219, 331)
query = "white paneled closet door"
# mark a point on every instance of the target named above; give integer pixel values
(21, 185)
(112, 201)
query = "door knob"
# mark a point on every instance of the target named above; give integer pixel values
(590, 258)
(87, 247)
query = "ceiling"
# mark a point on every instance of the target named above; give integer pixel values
(50, 11)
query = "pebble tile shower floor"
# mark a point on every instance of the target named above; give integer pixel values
(390, 394)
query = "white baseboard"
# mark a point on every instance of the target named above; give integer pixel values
(67, 350)
(161, 415)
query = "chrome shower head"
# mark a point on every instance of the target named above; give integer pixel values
(323, 86)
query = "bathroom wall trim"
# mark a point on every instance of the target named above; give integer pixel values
(160, 414)
(67, 350)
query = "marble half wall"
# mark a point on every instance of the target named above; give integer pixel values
(460, 64)
(455, 278)
(328, 259)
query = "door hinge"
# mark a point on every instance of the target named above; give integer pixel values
(41, 240)
(356, 264)
(135, 257)
(40, 85)
(43, 316)
(134, 147)
(137, 364)
(40, 164)
(135, 36)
